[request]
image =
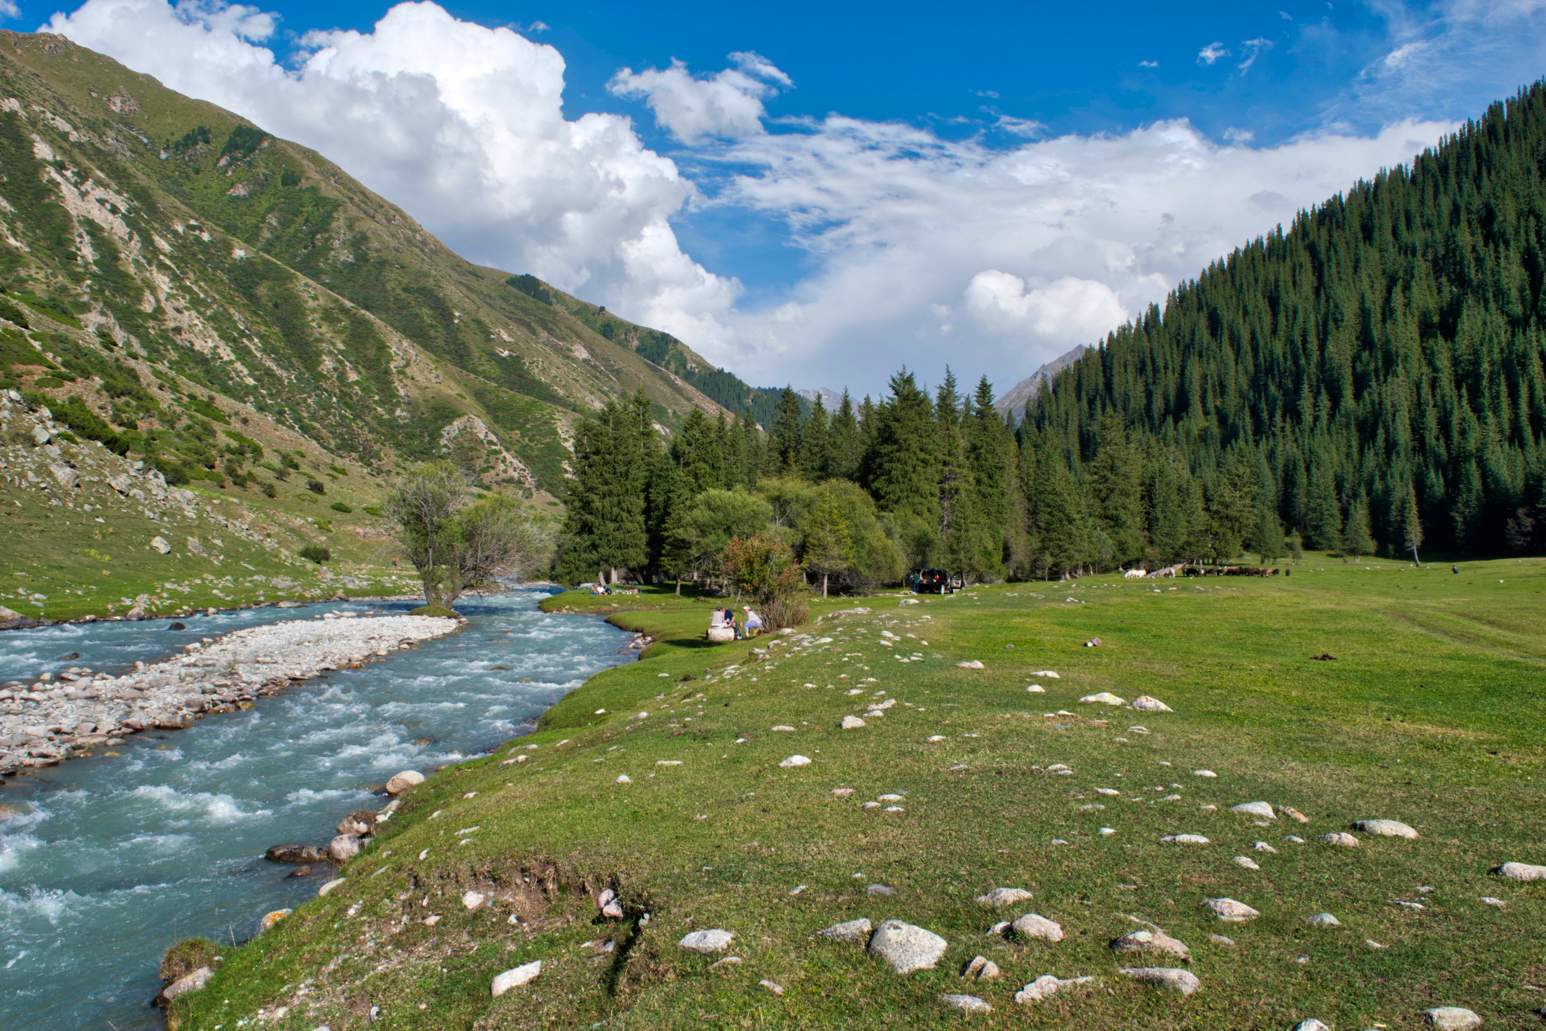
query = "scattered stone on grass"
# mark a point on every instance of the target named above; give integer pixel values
(1172, 978)
(1323, 920)
(1151, 941)
(965, 1003)
(1311, 1025)
(795, 761)
(1451, 1018)
(710, 941)
(1261, 810)
(1522, 872)
(1341, 839)
(1046, 986)
(906, 947)
(1034, 926)
(1247, 863)
(971, 664)
(515, 977)
(1103, 698)
(851, 723)
(1385, 828)
(1003, 897)
(1230, 911)
(1148, 703)
(980, 968)
(1185, 839)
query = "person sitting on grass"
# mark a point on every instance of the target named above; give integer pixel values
(753, 621)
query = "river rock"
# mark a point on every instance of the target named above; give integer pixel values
(1261, 810)
(271, 918)
(1385, 828)
(906, 947)
(515, 977)
(707, 942)
(1451, 1018)
(360, 823)
(1151, 941)
(183, 985)
(1230, 911)
(331, 886)
(1003, 897)
(343, 848)
(1173, 978)
(296, 854)
(851, 932)
(401, 782)
(1046, 986)
(1034, 926)
(1522, 872)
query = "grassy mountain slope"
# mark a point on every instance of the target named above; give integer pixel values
(1428, 716)
(262, 271)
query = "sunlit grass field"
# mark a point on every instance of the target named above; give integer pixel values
(1431, 712)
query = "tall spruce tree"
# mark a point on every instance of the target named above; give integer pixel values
(847, 445)
(783, 454)
(816, 444)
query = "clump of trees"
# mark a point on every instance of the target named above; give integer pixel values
(458, 541)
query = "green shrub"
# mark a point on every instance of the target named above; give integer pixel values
(316, 553)
(339, 506)
(315, 486)
(373, 510)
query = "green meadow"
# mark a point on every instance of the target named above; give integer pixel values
(1429, 711)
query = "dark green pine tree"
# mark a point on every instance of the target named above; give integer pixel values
(1323, 520)
(1357, 538)
(991, 454)
(783, 454)
(847, 445)
(900, 467)
(1116, 486)
(816, 444)
(957, 515)
(605, 500)
(1058, 528)
(750, 449)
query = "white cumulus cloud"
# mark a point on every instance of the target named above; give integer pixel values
(728, 103)
(1068, 308)
(1212, 52)
(460, 124)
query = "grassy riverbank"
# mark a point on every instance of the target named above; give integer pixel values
(1430, 713)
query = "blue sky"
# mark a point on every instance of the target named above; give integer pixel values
(818, 192)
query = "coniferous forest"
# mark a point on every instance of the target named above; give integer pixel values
(1379, 365)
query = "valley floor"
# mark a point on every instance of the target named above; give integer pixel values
(667, 781)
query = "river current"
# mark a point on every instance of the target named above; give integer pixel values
(114, 858)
